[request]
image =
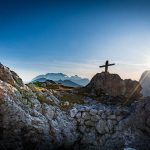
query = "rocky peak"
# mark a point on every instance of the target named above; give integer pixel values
(113, 85)
(9, 76)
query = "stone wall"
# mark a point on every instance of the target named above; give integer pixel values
(97, 124)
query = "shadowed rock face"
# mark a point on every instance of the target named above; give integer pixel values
(113, 85)
(145, 83)
(28, 124)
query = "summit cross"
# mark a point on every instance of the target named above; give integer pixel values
(106, 66)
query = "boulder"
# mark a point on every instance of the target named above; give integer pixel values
(73, 112)
(101, 127)
(78, 115)
(112, 85)
(93, 112)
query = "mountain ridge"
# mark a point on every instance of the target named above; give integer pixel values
(60, 76)
(68, 83)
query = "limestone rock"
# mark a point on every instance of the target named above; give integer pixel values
(9, 76)
(113, 85)
(48, 111)
(73, 112)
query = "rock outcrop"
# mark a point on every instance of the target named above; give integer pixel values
(32, 119)
(145, 83)
(9, 76)
(113, 85)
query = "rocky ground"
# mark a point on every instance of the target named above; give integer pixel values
(50, 116)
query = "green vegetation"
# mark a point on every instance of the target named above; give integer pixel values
(19, 81)
(25, 94)
(44, 85)
(72, 98)
(49, 85)
(42, 99)
(67, 96)
(35, 87)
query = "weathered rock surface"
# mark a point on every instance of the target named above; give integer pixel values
(145, 83)
(34, 126)
(30, 123)
(9, 76)
(113, 85)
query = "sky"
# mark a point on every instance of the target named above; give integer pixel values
(75, 37)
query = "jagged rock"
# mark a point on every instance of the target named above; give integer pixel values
(73, 112)
(112, 85)
(9, 76)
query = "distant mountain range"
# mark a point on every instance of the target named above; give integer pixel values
(68, 83)
(145, 83)
(63, 79)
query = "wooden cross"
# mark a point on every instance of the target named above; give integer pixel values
(106, 66)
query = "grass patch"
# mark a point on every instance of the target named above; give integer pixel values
(47, 85)
(42, 99)
(44, 85)
(35, 88)
(72, 98)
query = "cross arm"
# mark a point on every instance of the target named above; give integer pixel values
(111, 64)
(102, 66)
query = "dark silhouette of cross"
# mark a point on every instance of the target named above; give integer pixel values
(106, 66)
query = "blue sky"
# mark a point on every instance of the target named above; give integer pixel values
(75, 37)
